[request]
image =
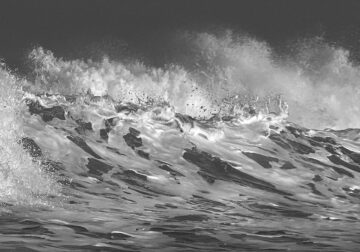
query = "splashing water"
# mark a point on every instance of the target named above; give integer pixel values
(318, 82)
(22, 180)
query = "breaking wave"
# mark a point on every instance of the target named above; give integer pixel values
(22, 181)
(223, 148)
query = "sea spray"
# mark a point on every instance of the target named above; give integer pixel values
(317, 80)
(22, 180)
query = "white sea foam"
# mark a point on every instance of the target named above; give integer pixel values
(22, 181)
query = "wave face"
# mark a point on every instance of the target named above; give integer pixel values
(224, 149)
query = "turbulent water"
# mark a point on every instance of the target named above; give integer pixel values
(230, 148)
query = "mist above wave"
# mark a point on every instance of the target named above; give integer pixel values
(317, 81)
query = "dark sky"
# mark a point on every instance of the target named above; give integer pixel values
(69, 27)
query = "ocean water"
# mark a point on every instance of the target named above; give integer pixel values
(232, 147)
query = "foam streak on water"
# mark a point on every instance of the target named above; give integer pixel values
(223, 151)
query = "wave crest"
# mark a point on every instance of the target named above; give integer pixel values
(317, 81)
